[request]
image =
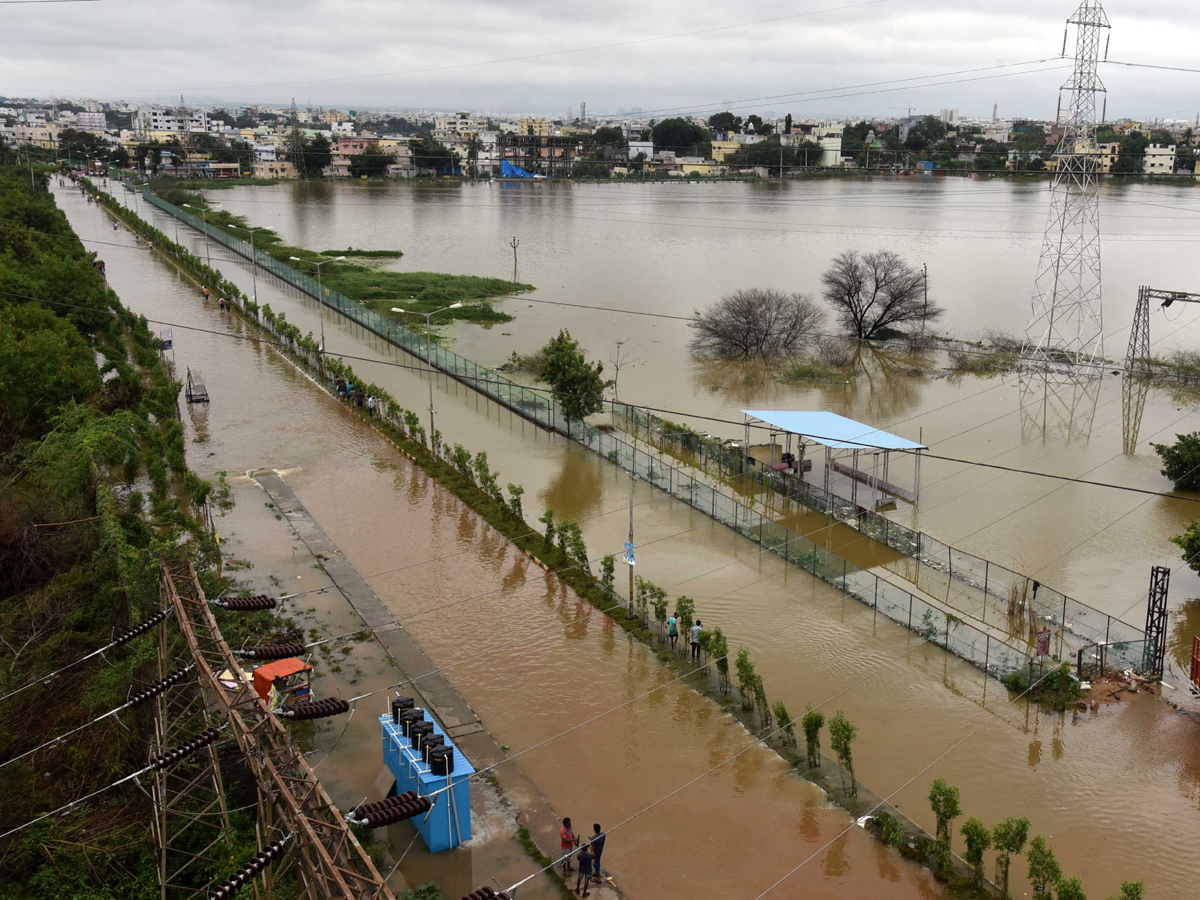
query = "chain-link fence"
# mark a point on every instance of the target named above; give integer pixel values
(984, 650)
(992, 594)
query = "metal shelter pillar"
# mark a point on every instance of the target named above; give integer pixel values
(1156, 622)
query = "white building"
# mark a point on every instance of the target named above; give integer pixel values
(458, 125)
(90, 121)
(157, 118)
(644, 148)
(1160, 159)
(949, 116)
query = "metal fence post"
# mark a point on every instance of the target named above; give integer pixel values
(910, 602)
(987, 652)
(843, 573)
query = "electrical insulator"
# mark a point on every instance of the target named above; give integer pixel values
(315, 709)
(390, 815)
(487, 893)
(395, 800)
(157, 688)
(184, 750)
(272, 651)
(1064, 49)
(141, 628)
(1106, 42)
(247, 872)
(246, 604)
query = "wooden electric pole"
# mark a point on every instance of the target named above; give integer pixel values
(514, 243)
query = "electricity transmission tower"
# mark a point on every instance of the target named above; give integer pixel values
(1066, 324)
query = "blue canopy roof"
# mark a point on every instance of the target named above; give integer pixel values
(833, 430)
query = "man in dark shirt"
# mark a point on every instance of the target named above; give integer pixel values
(598, 849)
(584, 859)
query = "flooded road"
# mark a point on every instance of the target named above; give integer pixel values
(520, 648)
(1124, 770)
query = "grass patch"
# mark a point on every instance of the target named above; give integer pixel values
(416, 292)
(534, 852)
(1056, 690)
(981, 361)
(814, 370)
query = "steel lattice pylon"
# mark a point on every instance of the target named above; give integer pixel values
(328, 859)
(1156, 622)
(1066, 323)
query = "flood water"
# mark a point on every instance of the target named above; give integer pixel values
(1131, 770)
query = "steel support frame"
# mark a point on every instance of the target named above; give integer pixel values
(188, 798)
(1156, 622)
(1137, 355)
(329, 859)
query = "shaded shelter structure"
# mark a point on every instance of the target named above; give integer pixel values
(845, 441)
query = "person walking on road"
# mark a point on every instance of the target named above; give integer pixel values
(567, 843)
(204, 291)
(371, 406)
(585, 870)
(598, 838)
(697, 630)
(673, 631)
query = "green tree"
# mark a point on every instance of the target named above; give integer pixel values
(1181, 461)
(925, 134)
(718, 649)
(1030, 146)
(1190, 542)
(891, 832)
(725, 123)
(1044, 870)
(1132, 154)
(430, 154)
(787, 124)
(474, 145)
(678, 135)
(685, 612)
(659, 602)
(75, 144)
(842, 733)
(45, 364)
(608, 568)
(547, 519)
(1008, 837)
(784, 720)
(1070, 889)
(1130, 890)
(372, 162)
(745, 677)
(812, 722)
(978, 838)
(609, 136)
(515, 492)
(944, 800)
(577, 384)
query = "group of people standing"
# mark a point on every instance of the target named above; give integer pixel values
(588, 856)
(353, 395)
(673, 635)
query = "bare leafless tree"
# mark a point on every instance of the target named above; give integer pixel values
(876, 291)
(755, 323)
(620, 358)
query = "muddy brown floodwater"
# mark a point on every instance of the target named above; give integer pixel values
(520, 648)
(1129, 773)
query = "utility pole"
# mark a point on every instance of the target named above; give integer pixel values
(514, 243)
(925, 285)
(629, 551)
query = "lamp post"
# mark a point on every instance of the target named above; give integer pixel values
(204, 220)
(428, 358)
(254, 259)
(320, 299)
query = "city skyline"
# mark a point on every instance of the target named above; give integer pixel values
(827, 58)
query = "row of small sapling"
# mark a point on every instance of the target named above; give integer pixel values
(1008, 838)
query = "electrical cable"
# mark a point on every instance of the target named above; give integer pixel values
(760, 739)
(153, 691)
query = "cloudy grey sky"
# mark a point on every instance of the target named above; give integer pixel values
(663, 56)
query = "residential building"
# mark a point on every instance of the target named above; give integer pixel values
(643, 148)
(274, 168)
(1159, 160)
(354, 144)
(548, 155)
(1107, 155)
(38, 135)
(90, 121)
(459, 125)
(538, 127)
(949, 116)
(157, 118)
(721, 150)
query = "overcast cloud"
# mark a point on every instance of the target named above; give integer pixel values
(458, 54)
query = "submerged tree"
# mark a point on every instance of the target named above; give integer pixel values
(577, 384)
(943, 799)
(718, 647)
(876, 292)
(978, 838)
(812, 723)
(842, 733)
(745, 677)
(755, 323)
(784, 721)
(1070, 889)
(1181, 461)
(1008, 837)
(1044, 870)
(608, 567)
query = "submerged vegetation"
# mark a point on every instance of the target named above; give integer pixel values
(379, 289)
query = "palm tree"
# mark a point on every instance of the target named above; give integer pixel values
(474, 145)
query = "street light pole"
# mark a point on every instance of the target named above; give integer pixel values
(254, 259)
(428, 358)
(204, 220)
(320, 297)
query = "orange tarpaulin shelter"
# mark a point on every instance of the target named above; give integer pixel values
(291, 678)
